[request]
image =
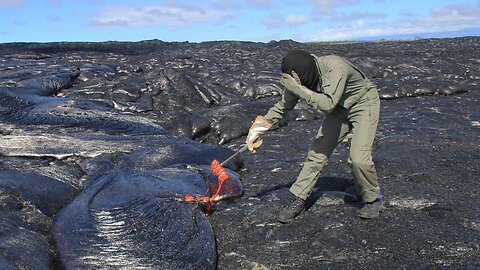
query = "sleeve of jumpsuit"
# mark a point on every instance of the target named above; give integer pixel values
(333, 87)
(276, 113)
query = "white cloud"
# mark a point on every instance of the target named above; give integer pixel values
(331, 2)
(259, 3)
(356, 16)
(218, 4)
(443, 19)
(274, 20)
(453, 17)
(10, 3)
(296, 19)
(173, 16)
(55, 3)
(322, 7)
(277, 20)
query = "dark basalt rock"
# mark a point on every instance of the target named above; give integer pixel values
(38, 110)
(101, 138)
(49, 195)
(138, 220)
(48, 84)
(24, 231)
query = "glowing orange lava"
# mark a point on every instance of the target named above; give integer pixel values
(191, 198)
(219, 171)
(222, 175)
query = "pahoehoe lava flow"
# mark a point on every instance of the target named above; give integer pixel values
(101, 141)
(138, 220)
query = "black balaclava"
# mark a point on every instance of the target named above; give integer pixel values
(304, 65)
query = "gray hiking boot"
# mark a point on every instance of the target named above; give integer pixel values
(291, 210)
(372, 209)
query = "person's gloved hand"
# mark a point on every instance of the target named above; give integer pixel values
(293, 84)
(259, 126)
(296, 77)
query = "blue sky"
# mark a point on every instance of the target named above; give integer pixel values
(244, 20)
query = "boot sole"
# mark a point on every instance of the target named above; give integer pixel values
(288, 220)
(285, 221)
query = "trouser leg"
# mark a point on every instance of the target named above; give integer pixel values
(364, 119)
(334, 129)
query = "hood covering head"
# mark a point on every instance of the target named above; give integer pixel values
(304, 65)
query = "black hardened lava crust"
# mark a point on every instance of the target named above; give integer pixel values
(74, 114)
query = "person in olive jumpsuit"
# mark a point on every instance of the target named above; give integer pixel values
(330, 84)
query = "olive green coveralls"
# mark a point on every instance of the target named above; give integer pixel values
(352, 104)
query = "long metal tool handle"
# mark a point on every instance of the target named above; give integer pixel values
(234, 155)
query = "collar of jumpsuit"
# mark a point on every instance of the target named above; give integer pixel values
(303, 63)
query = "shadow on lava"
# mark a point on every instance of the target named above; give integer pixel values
(337, 186)
(272, 189)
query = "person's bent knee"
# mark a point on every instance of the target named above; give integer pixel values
(363, 162)
(316, 157)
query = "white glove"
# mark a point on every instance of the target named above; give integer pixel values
(259, 126)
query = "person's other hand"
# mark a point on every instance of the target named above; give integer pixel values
(289, 82)
(292, 83)
(296, 77)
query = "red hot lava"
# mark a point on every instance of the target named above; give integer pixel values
(222, 175)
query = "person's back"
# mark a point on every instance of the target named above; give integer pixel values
(356, 85)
